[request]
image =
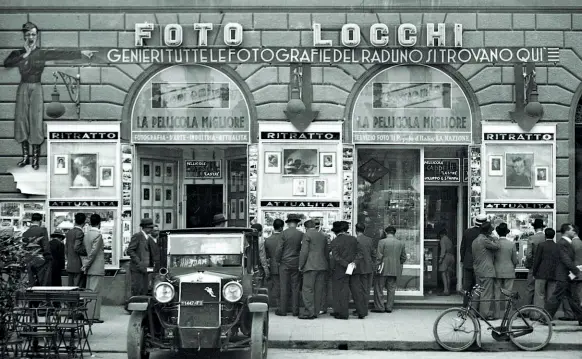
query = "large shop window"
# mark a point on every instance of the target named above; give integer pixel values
(388, 192)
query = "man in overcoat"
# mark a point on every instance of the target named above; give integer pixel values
(313, 263)
(344, 250)
(139, 252)
(74, 249)
(484, 248)
(288, 258)
(360, 280)
(273, 280)
(391, 258)
(94, 265)
(469, 279)
(39, 269)
(58, 254)
(532, 243)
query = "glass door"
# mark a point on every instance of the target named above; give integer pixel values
(389, 188)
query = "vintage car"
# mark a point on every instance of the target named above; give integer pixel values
(205, 298)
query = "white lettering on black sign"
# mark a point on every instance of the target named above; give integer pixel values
(518, 136)
(328, 136)
(300, 204)
(84, 135)
(519, 205)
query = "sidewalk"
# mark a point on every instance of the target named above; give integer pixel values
(404, 329)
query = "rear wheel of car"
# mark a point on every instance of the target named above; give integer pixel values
(136, 332)
(260, 336)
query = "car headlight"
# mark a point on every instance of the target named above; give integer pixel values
(164, 292)
(232, 292)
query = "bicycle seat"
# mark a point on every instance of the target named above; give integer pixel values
(507, 293)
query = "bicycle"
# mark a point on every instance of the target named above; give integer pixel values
(520, 325)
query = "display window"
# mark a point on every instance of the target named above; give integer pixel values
(18, 215)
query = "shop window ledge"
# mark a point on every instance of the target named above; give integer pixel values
(30, 181)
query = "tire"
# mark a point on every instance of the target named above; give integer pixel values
(458, 313)
(517, 320)
(136, 331)
(260, 336)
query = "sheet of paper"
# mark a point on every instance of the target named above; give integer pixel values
(350, 268)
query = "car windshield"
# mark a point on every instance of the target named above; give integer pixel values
(206, 261)
(198, 244)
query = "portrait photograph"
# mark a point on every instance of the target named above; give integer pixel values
(106, 176)
(233, 212)
(84, 170)
(168, 220)
(327, 162)
(241, 208)
(146, 171)
(146, 196)
(157, 195)
(495, 166)
(300, 162)
(542, 176)
(169, 176)
(146, 213)
(319, 187)
(300, 187)
(272, 162)
(61, 166)
(157, 217)
(168, 197)
(158, 172)
(518, 170)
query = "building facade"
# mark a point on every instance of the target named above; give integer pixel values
(411, 116)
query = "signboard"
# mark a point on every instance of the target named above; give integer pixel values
(203, 169)
(190, 105)
(442, 170)
(412, 105)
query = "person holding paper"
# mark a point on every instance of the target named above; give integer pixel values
(391, 257)
(343, 250)
(566, 271)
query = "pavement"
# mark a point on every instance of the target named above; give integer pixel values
(403, 329)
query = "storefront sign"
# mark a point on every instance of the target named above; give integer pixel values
(442, 170)
(81, 135)
(518, 136)
(329, 136)
(203, 169)
(175, 106)
(83, 203)
(301, 204)
(392, 108)
(489, 205)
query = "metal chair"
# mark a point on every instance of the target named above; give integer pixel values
(36, 323)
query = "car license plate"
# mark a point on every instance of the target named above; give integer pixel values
(192, 303)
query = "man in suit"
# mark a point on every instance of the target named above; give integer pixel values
(262, 253)
(391, 257)
(576, 285)
(533, 242)
(273, 280)
(505, 261)
(74, 249)
(139, 252)
(344, 249)
(94, 265)
(288, 259)
(39, 270)
(313, 263)
(484, 248)
(563, 268)
(58, 254)
(469, 279)
(544, 268)
(154, 248)
(365, 264)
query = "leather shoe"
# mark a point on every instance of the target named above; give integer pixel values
(377, 311)
(566, 319)
(307, 317)
(361, 316)
(281, 314)
(388, 310)
(340, 317)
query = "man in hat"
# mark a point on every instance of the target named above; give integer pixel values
(219, 220)
(313, 263)
(74, 249)
(533, 243)
(391, 256)
(469, 279)
(94, 265)
(343, 249)
(57, 248)
(39, 270)
(360, 280)
(273, 280)
(287, 257)
(139, 252)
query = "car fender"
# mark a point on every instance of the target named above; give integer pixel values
(258, 303)
(139, 303)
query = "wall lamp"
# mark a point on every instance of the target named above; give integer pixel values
(298, 109)
(528, 109)
(56, 109)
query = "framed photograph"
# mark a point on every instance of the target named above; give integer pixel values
(169, 173)
(168, 197)
(158, 217)
(319, 187)
(146, 195)
(242, 181)
(83, 170)
(146, 171)
(518, 170)
(300, 162)
(327, 162)
(495, 165)
(168, 220)
(542, 176)
(233, 185)
(233, 209)
(241, 208)
(61, 166)
(157, 195)
(272, 162)
(158, 172)
(299, 187)
(146, 213)
(106, 176)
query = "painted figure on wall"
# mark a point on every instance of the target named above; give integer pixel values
(29, 109)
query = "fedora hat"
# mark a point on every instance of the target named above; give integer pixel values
(480, 220)
(58, 233)
(146, 222)
(538, 223)
(292, 217)
(218, 219)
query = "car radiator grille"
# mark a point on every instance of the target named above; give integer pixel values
(194, 314)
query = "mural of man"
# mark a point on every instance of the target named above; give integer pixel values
(29, 112)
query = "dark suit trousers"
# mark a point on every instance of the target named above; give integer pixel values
(139, 283)
(327, 297)
(77, 280)
(289, 279)
(381, 282)
(576, 287)
(341, 292)
(274, 287)
(469, 282)
(313, 288)
(564, 291)
(359, 286)
(530, 290)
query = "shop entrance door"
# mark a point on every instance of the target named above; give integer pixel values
(202, 203)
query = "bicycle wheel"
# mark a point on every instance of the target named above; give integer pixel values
(540, 335)
(455, 329)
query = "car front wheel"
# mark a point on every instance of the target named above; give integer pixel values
(136, 333)
(260, 335)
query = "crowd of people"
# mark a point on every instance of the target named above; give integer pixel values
(554, 267)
